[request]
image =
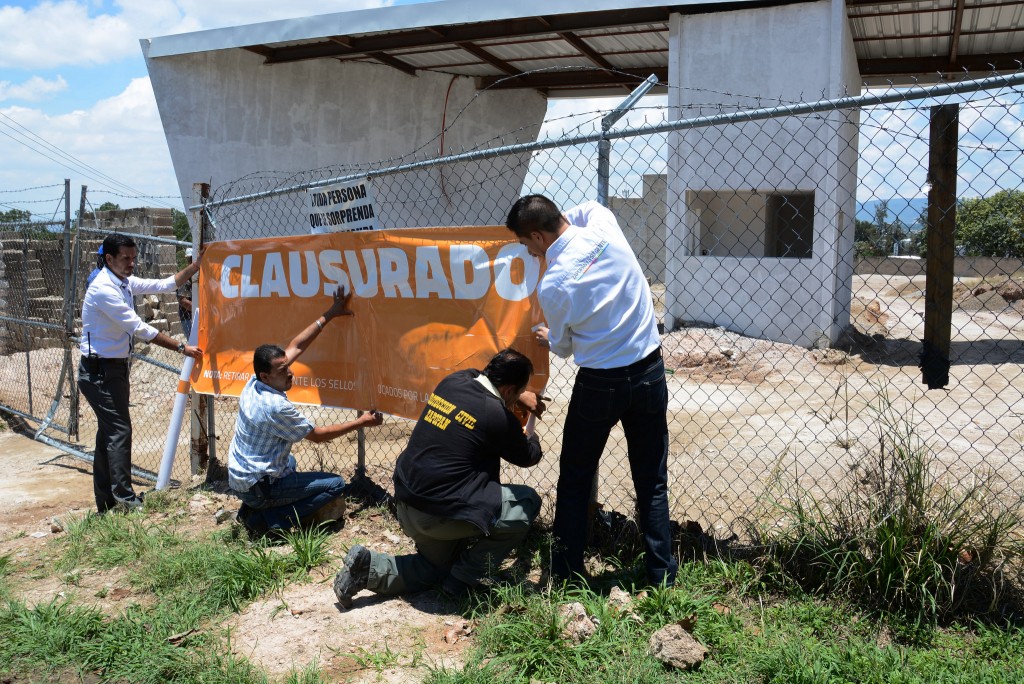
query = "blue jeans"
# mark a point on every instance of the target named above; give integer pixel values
(284, 502)
(637, 396)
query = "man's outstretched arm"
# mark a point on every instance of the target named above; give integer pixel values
(328, 432)
(305, 338)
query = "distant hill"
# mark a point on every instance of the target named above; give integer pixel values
(907, 210)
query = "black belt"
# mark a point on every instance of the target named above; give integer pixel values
(103, 359)
(634, 367)
(93, 363)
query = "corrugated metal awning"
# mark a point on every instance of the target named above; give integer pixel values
(571, 47)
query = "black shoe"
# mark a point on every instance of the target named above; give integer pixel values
(456, 589)
(253, 522)
(353, 576)
(129, 505)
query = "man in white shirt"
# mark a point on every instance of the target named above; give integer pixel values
(109, 323)
(598, 308)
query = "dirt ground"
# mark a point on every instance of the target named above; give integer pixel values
(741, 412)
(282, 632)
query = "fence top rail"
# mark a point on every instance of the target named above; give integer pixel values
(149, 238)
(794, 109)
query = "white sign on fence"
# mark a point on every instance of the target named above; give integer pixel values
(341, 208)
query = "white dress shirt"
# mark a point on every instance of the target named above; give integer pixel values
(109, 320)
(596, 300)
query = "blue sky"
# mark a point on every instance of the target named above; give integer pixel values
(72, 75)
(73, 81)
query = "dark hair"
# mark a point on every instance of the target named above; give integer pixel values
(113, 243)
(265, 353)
(509, 367)
(533, 212)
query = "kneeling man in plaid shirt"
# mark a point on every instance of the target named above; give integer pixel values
(261, 469)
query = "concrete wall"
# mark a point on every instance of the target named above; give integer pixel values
(31, 288)
(963, 267)
(226, 114)
(725, 61)
(642, 220)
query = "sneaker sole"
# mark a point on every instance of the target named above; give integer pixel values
(356, 565)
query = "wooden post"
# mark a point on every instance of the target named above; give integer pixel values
(938, 305)
(199, 444)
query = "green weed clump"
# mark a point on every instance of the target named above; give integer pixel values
(895, 536)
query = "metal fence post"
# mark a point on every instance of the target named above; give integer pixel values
(604, 146)
(76, 265)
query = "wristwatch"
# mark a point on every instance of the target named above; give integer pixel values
(181, 347)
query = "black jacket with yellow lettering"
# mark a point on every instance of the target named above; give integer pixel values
(451, 465)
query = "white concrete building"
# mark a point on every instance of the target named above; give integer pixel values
(761, 217)
(758, 218)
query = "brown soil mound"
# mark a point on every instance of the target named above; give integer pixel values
(721, 356)
(988, 300)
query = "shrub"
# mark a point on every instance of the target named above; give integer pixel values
(894, 535)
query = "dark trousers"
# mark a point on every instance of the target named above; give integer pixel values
(637, 396)
(445, 546)
(104, 383)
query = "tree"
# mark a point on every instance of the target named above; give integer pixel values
(865, 239)
(991, 226)
(183, 232)
(108, 206)
(15, 216)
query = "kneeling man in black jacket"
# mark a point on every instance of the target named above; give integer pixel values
(448, 493)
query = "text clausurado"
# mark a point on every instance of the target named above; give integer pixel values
(467, 273)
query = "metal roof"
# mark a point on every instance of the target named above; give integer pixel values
(610, 43)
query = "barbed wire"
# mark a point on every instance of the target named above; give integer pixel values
(37, 187)
(140, 196)
(40, 201)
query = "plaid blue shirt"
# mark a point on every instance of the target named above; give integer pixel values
(267, 427)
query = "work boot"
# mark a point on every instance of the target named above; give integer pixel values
(455, 589)
(332, 511)
(353, 576)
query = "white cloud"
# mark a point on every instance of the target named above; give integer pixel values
(32, 90)
(53, 34)
(120, 136)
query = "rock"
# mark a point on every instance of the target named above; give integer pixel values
(223, 515)
(677, 648)
(393, 538)
(330, 512)
(56, 526)
(578, 625)
(619, 599)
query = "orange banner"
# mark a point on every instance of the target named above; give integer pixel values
(427, 302)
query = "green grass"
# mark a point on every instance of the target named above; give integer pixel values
(759, 623)
(894, 537)
(193, 582)
(752, 636)
(309, 545)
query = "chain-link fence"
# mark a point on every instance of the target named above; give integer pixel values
(47, 266)
(34, 323)
(783, 243)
